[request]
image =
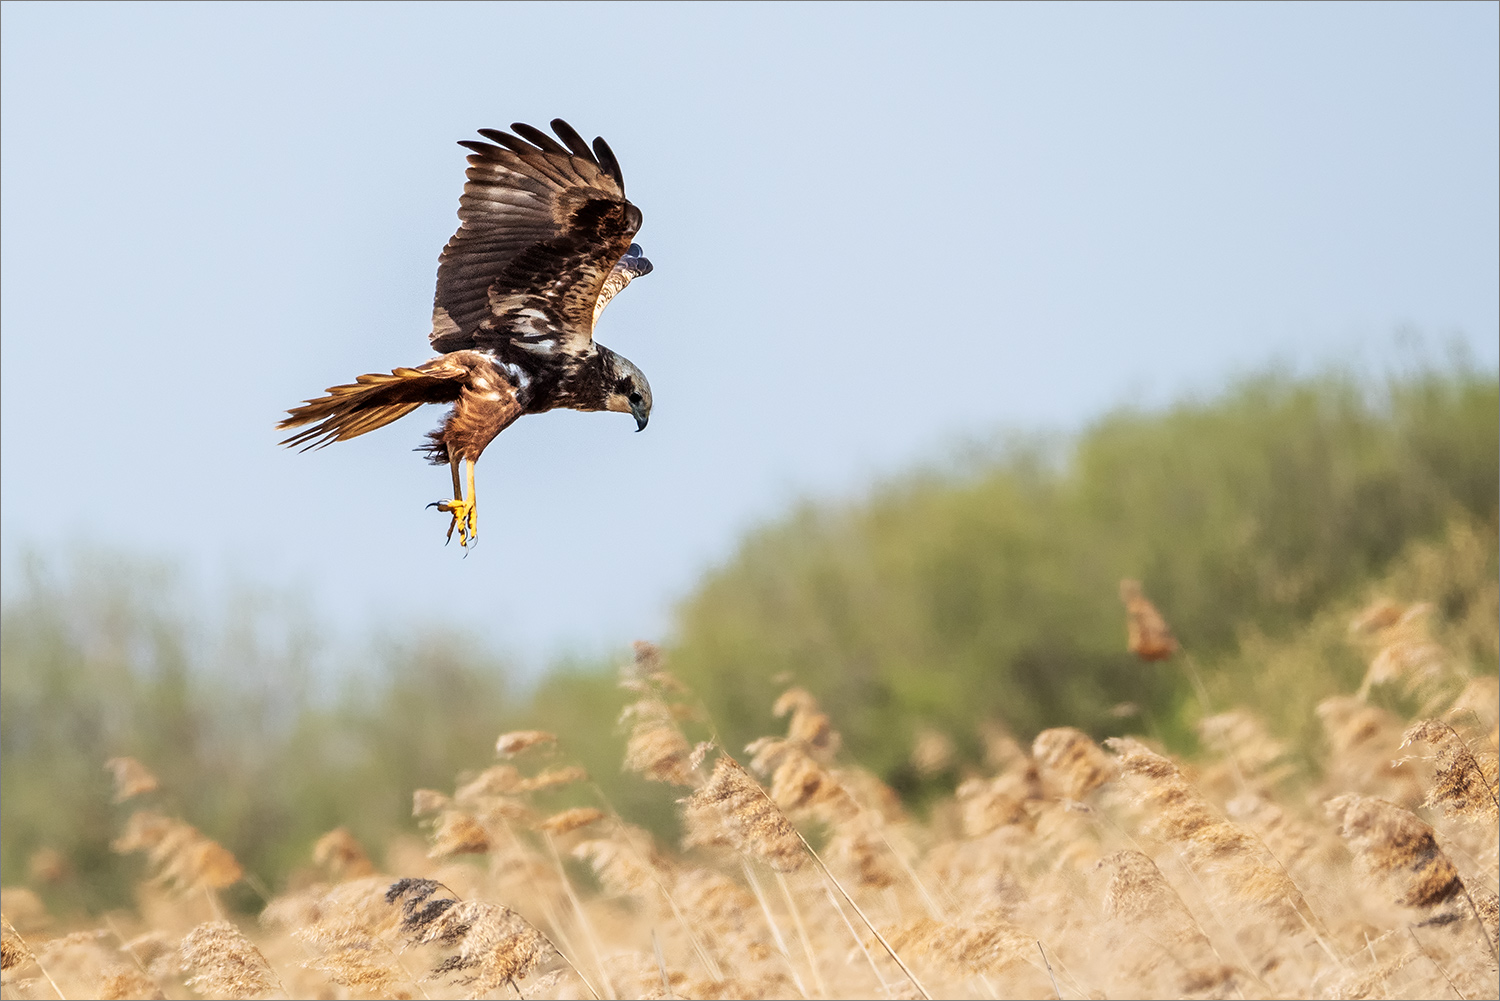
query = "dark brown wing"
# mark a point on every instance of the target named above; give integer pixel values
(542, 224)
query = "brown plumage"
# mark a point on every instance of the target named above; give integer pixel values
(543, 245)
(1147, 634)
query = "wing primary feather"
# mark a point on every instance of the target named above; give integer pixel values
(495, 135)
(575, 142)
(509, 141)
(606, 157)
(483, 149)
(534, 135)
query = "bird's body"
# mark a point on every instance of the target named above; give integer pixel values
(544, 244)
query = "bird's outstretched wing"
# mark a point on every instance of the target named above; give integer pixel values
(626, 270)
(542, 225)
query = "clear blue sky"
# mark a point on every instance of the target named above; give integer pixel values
(876, 229)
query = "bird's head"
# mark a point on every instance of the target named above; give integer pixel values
(629, 392)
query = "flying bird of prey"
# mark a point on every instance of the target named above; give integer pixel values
(543, 245)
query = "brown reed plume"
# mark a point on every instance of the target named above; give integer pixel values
(1399, 845)
(1070, 764)
(1174, 951)
(342, 855)
(1147, 635)
(182, 857)
(1237, 862)
(1462, 784)
(1056, 869)
(731, 808)
(350, 929)
(656, 748)
(511, 744)
(227, 964)
(491, 945)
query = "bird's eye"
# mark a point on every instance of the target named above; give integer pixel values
(635, 397)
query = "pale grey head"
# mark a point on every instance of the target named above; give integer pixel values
(629, 392)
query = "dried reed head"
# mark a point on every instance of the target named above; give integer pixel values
(859, 850)
(1137, 892)
(732, 808)
(348, 932)
(552, 778)
(342, 855)
(120, 982)
(494, 946)
(1175, 810)
(513, 743)
(227, 964)
(1147, 635)
(1172, 952)
(13, 950)
(571, 820)
(799, 783)
(657, 750)
(497, 780)
(1408, 656)
(131, 778)
(1462, 786)
(714, 900)
(182, 857)
(322, 914)
(458, 833)
(809, 725)
(986, 942)
(488, 797)
(1397, 844)
(1177, 813)
(624, 870)
(987, 805)
(1071, 765)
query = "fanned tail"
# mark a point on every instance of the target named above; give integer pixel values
(371, 401)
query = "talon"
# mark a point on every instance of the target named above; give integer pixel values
(463, 508)
(465, 520)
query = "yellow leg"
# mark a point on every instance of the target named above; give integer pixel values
(473, 499)
(461, 507)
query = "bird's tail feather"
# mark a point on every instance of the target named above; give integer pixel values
(371, 401)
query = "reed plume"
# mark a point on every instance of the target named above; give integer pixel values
(182, 857)
(226, 963)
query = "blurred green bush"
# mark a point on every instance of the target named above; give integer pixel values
(992, 593)
(984, 593)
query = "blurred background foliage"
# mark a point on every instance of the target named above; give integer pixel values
(983, 593)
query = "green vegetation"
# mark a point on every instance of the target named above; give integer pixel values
(1258, 521)
(940, 602)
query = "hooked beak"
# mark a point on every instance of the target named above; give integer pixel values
(641, 415)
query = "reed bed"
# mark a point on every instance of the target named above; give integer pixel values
(1062, 869)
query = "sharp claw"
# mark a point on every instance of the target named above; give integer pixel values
(465, 521)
